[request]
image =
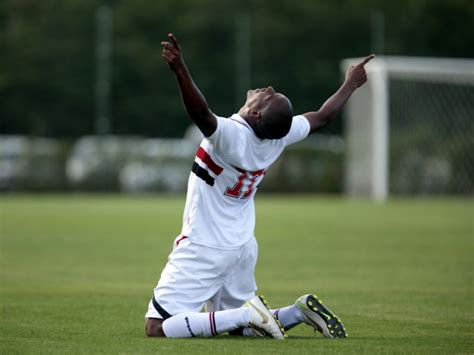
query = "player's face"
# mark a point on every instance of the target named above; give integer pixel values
(260, 98)
(268, 89)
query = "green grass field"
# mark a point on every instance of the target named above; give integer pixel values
(77, 273)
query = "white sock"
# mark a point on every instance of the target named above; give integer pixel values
(194, 324)
(289, 316)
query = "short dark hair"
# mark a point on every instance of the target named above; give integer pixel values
(275, 122)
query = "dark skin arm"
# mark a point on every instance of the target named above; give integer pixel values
(193, 100)
(355, 78)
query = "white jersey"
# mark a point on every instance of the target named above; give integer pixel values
(228, 168)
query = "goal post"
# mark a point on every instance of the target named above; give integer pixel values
(410, 129)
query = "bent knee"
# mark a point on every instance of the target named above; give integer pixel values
(153, 328)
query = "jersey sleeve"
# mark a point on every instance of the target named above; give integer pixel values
(226, 138)
(299, 130)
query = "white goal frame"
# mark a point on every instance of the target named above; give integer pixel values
(367, 115)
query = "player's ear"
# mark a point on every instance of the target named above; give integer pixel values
(256, 115)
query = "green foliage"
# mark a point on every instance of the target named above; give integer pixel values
(77, 273)
(47, 67)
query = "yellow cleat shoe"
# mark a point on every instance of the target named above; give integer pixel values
(318, 316)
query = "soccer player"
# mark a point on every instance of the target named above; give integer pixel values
(213, 259)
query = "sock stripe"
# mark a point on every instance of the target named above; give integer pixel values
(212, 323)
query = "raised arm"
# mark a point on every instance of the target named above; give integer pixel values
(355, 77)
(193, 100)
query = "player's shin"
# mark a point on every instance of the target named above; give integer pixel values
(194, 324)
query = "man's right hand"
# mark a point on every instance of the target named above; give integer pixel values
(172, 53)
(193, 100)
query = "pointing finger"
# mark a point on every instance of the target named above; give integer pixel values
(173, 39)
(367, 59)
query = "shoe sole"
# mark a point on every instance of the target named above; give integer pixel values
(322, 319)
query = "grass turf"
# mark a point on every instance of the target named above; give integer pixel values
(77, 273)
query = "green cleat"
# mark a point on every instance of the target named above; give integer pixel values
(317, 315)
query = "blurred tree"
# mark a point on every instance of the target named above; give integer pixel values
(46, 85)
(47, 66)
(146, 100)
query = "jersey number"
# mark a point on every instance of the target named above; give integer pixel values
(247, 178)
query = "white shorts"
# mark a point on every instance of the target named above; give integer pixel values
(196, 275)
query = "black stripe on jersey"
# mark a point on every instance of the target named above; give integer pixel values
(202, 174)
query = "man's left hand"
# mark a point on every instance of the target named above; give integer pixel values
(356, 75)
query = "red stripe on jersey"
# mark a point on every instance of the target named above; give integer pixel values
(180, 240)
(202, 154)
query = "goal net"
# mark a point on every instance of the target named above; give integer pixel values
(410, 129)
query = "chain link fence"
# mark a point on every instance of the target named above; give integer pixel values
(431, 137)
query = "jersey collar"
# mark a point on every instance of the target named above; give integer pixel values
(236, 117)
